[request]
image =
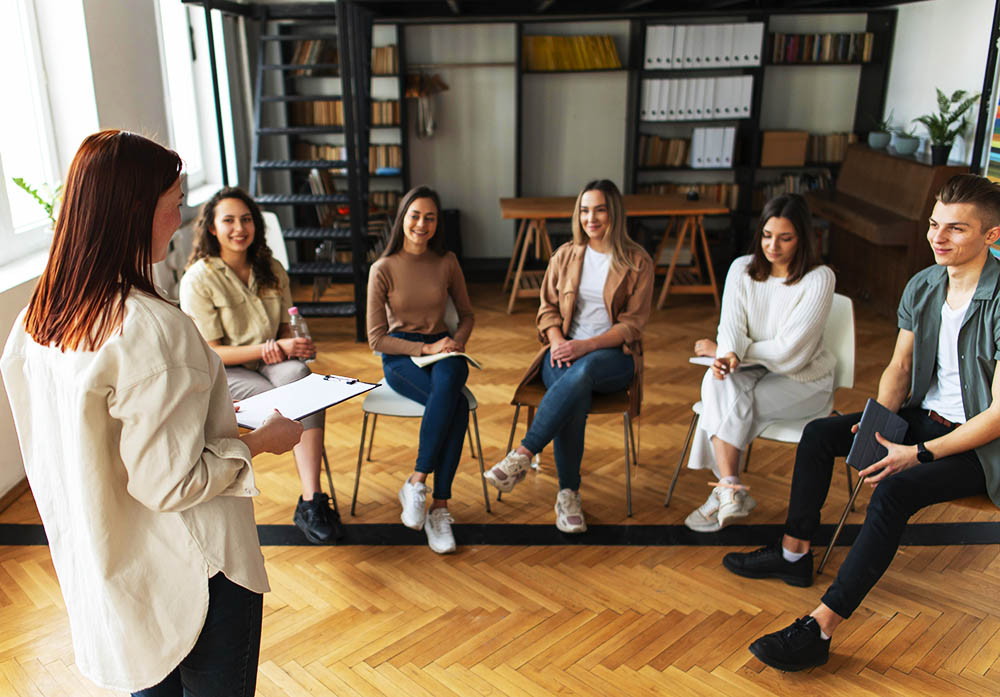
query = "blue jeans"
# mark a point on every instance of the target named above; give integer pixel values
(223, 662)
(446, 410)
(562, 415)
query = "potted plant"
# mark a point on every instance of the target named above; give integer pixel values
(950, 121)
(880, 136)
(907, 141)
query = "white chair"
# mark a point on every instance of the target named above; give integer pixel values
(838, 339)
(275, 240)
(384, 401)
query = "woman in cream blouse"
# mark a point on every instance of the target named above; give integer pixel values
(238, 296)
(130, 442)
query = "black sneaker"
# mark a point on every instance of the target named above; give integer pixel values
(796, 647)
(767, 562)
(317, 521)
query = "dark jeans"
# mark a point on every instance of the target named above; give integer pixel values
(893, 501)
(562, 414)
(446, 410)
(223, 662)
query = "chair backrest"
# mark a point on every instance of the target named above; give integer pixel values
(838, 339)
(274, 239)
(450, 316)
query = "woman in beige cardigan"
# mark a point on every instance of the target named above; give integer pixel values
(595, 301)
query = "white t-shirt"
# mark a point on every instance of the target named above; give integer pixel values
(945, 393)
(591, 316)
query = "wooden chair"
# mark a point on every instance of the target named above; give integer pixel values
(838, 339)
(530, 396)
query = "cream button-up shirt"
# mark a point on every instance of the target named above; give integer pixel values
(141, 483)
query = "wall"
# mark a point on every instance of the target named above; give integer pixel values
(470, 159)
(939, 43)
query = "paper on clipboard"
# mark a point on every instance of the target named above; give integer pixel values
(299, 399)
(708, 360)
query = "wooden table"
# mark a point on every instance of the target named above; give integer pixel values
(687, 216)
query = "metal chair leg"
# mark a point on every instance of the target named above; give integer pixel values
(361, 452)
(510, 440)
(371, 438)
(482, 465)
(472, 447)
(840, 525)
(627, 428)
(746, 458)
(329, 480)
(680, 463)
(635, 451)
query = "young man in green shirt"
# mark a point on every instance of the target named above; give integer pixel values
(941, 382)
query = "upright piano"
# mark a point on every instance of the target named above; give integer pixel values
(878, 215)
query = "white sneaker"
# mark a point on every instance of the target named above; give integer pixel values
(569, 512)
(413, 498)
(705, 518)
(438, 529)
(734, 505)
(509, 471)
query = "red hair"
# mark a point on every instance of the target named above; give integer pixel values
(102, 246)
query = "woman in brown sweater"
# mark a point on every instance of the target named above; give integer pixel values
(595, 301)
(408, 291)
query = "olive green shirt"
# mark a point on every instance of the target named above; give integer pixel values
(978, 347)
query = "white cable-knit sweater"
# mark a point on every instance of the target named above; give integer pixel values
(777, 325)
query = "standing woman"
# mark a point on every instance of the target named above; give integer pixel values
(595, 301)
(130, 442)
(238, 295)
(774, 310)
(408, 291)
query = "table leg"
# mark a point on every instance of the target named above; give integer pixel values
(543, 233)
(673, 262)
(531, 233)
(513, 255)
(700, 224)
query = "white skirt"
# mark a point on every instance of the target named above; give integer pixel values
(739, 407)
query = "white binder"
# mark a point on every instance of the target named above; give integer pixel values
(649, 63)
(713, 147)
(726, 45)
(677, 50)
(698, 148)
(746, 96)
(695, 47)
(644, 103)
(728, 144)
(708, 108)
(663, 104)
(699, 97)
(654, 100)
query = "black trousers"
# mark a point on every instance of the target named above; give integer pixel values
(893, 501)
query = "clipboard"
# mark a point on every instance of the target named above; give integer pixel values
(300, 399)
(865, 450)
(707, 361)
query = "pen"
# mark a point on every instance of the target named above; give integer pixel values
(349, 381)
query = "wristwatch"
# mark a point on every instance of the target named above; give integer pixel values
(923, 454)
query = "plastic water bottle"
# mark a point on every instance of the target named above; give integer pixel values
(299, 328)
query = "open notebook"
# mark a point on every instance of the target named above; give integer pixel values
(708, 360)
(423, 361)
(299, 399)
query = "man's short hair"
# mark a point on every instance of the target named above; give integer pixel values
(978, 191)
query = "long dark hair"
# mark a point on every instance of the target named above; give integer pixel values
(102, 246)
(795, 209)
(622, 246)
(207, 245)
(436, 243)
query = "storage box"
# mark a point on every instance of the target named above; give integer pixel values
(784, 149)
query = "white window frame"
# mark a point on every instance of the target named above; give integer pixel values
(19, 242)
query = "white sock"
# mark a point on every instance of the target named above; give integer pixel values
(734, 480)
(823, 635)
(792, 557)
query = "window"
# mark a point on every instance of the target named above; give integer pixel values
(187, 76)
(26, 136)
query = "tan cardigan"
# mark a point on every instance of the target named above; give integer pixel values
(628, 296)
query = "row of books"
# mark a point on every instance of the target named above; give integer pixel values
(703, 46)
(655, 151)
(798, 183)
(322, 182)
(696, 98)
(330, 112)
(385, 60)
(384, 201)
(382, 159)
(725, 193)
(589, 52)
(828, 147)
(315, 52)
(822, 48)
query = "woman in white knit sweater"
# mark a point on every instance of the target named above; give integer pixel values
(774, 310)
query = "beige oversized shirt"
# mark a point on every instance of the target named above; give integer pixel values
(141, 483)
(227, 310)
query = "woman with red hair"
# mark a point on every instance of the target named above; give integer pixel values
(130, 442)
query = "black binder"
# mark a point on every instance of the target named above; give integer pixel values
(866, 451)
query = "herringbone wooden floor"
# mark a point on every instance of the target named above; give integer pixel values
(572, 620)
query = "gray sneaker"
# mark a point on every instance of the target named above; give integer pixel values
(569, 512)
(413, 498)
(438, 528)
(509, 471)
(705, 518)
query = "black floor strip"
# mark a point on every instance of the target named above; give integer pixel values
(919, 534)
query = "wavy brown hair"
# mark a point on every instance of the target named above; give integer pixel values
(102, 246)
(436, 243)
(795, 209)
(623, 248)
(206, 244)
